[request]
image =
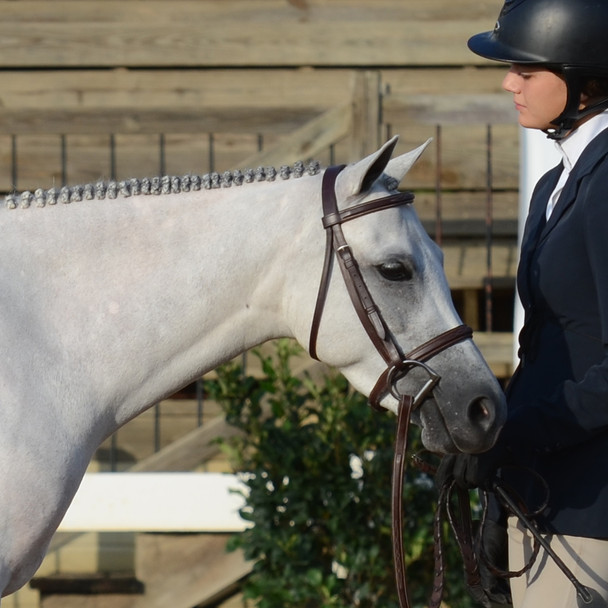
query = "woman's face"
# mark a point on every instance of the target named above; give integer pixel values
(539, 95)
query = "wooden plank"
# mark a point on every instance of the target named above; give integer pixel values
(180, 571)
(433, 80)
(186, 570)
(213, 33)
(187, 452)
(176, 88)
(188, 101)
(80, 601)
(238, 104)
(88, 158)
(466, 207)
(134, 120)
(308, 141)
(465, 262)
(462, 152)
(497, 349)
(180, 444)
(253, 11)
(366, 132)
(184, 453)
(455, 108)
(470, 314)
(82, 584)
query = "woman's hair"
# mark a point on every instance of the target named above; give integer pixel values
(596, 88)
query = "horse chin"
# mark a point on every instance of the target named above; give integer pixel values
(435, 434)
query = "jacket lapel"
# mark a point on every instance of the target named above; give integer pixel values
(535, 223)
(594, 152)
(537, 228)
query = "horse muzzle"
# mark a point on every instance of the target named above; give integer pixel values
(452, 420)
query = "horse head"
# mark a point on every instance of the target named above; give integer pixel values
(407, 301)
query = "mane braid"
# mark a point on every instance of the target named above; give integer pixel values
(166, 184)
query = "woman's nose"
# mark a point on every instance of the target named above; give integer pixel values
(509, 82)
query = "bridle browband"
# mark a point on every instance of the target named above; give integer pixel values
(398, 364)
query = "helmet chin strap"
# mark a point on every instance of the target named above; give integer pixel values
(572, 114)
(566, 123)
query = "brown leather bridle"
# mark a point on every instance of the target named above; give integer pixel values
(398, 364)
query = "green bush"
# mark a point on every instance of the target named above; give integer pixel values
(318, 464)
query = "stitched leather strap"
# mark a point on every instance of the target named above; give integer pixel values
(329, 201)
(362, 300)
(403, 422)
(421, 353)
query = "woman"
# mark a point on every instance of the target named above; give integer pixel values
(558, 397)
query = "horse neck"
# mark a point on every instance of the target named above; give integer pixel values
(161, 289)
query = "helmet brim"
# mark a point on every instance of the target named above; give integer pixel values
(489, 46)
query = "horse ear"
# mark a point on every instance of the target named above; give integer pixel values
(365, 172)
(398, 167)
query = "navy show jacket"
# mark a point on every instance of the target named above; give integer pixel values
(558, 396)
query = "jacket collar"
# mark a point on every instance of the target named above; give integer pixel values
(595, 151)
(537, 229)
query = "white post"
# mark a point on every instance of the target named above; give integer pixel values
(537, 155)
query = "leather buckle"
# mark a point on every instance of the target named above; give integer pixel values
(397, 373)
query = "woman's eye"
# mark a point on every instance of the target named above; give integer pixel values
(395, 271)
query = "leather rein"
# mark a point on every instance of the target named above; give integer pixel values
(398, 364)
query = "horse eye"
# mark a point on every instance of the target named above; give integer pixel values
(395, 271)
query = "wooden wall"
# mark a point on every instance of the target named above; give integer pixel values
(246, 71)
(245, 33)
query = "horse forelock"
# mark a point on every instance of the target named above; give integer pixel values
(165, 184)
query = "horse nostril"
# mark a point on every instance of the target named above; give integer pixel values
(480, 413)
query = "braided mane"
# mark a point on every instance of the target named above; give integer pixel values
(165, 184)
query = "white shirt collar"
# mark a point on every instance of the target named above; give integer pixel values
(572, 147)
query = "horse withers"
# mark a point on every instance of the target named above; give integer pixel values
(115, 295)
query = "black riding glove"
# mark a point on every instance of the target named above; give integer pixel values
(473, 470)
(517, 444)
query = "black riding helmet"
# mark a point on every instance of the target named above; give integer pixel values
(567, 36)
